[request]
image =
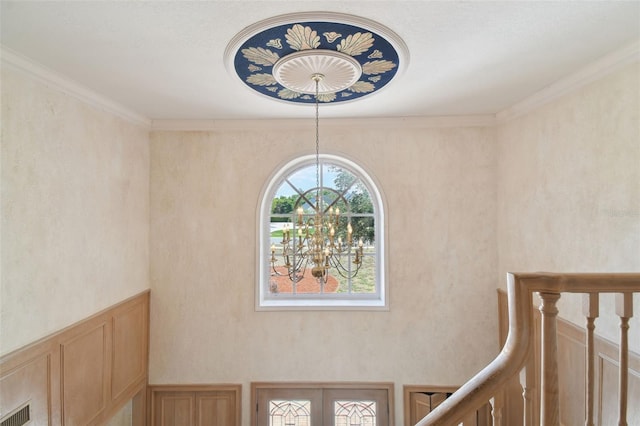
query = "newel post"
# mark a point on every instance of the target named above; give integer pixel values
(550, 404)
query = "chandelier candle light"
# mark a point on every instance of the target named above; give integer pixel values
(315, 234)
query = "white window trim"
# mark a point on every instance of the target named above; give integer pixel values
(263, 302)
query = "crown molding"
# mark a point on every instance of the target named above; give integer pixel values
(595, 71)
(589, 74)
(19, 63)
(303, 124)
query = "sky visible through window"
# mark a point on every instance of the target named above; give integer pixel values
(305, 178)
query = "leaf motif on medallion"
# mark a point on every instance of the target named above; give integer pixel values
(355, 44)
(326, 97)
(272, 89)
(346, 94)
(302, 38)
(306, 97)
(288, 94)
(260, 56)
(262, 79)
(276, 42)
(374, 79)
(375, 55)
(377, 67)
(362, 87)
(254, 68)
(331, 36)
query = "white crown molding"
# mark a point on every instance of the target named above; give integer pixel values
(302, 124)
(19, 63)
(589, 74)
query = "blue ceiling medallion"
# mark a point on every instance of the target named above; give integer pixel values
(278, 57)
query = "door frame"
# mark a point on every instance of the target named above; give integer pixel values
(386, 386)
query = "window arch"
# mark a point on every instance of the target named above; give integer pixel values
(355, 278)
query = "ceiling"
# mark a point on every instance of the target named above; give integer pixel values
(166, 59)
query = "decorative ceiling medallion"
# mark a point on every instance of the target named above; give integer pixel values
(278, 57)
(339, 71)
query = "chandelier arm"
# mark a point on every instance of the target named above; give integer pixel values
(297, 268)
(344, 272)
(275, 272)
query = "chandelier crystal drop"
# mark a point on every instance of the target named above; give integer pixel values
(313, 240)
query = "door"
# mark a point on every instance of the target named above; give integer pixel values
(322, 407)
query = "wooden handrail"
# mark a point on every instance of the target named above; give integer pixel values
(513, 357)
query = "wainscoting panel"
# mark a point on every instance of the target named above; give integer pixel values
(174, 409)
(130, 341)
(216, 408)
(29, 386)
(84, 361)
(194, 405)
(85, 373)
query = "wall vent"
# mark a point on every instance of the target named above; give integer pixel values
(18, 418)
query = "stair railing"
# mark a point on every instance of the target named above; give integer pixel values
(518, 348)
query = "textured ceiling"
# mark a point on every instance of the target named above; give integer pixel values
(166, 60)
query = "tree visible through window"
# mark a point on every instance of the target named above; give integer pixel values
(353, 210)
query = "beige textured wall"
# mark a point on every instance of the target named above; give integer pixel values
(439, 185)
(75, 208)
(569, 189)
(557, 189)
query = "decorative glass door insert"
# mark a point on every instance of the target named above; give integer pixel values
(321, 406)
(289, 413)
(354, 413)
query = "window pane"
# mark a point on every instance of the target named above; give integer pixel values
(289, 413)
(355, 413)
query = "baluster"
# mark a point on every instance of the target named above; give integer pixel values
(624, 309)
(550, 404)
(496, 408)
(484, 415)
(590, 309)
(527, 379)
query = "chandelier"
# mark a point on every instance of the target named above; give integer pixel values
(314, 240)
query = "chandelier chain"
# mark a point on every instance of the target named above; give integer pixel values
(317, 78)
(316, 240)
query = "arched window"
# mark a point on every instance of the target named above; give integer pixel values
(345, 269)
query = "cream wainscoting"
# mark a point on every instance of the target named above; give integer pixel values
(85, 373)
